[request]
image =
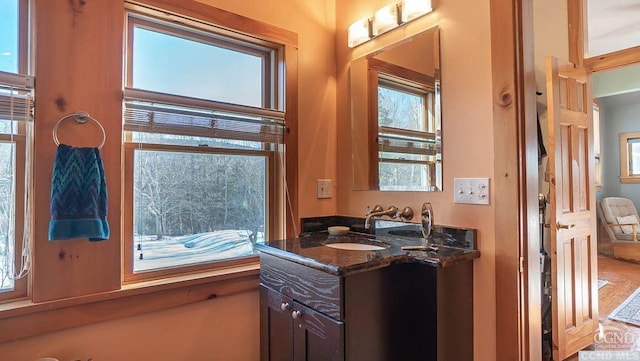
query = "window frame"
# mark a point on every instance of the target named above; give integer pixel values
(626, 177)
(21, 286)
(205, 35)
(597, 145)
(274, 96)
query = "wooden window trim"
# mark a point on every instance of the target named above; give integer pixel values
(20, 288)
(625, 176)
(195, 13)
(577, 14)
(517, 243)
(21, 319)
(284, 73)
(129, 276)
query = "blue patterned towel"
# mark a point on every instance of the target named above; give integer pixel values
(78, 195)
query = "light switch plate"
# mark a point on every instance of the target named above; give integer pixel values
(324, 188)
(471, 190)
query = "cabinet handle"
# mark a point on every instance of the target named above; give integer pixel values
(296, 314)
(285, 306)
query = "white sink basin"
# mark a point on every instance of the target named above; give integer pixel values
(355, 246)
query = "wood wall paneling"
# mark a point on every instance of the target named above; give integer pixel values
(55, 316)
(80, 68)
(614, 60)
(518, 302)
(200, 11)
(577, 30)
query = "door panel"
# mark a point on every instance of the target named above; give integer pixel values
(572, 208)
(316, 336)
(276, 326)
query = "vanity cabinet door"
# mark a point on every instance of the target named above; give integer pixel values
(292, 331)
(316, 337)
(276, 326)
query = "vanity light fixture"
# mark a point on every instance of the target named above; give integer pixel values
(359, 32)
(412, 9)
(385, 19)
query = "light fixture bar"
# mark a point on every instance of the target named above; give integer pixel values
(412, 9)
(359, 32)
(385, 19)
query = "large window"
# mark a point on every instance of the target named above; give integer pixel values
(203, 142)
(630, 157)
(15, 116)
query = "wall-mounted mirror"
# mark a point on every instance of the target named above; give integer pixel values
(396, 117)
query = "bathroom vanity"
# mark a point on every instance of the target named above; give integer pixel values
(324, 303)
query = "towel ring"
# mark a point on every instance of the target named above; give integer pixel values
(80, 117)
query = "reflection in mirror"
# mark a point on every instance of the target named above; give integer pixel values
(396, 118)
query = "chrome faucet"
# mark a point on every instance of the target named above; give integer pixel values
(427, 220)
(378, 211)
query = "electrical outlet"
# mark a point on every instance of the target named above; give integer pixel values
(324, 188)
(471, 190)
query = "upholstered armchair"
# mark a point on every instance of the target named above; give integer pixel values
(621, 222)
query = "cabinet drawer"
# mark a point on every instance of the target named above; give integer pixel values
(316, 289)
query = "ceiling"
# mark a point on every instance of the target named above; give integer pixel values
(612, 25)
(621, 99)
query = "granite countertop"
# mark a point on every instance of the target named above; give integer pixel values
(309, 249)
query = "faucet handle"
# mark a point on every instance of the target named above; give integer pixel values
(376, 209)
(406, 215)
(427, 219)
(392, 212)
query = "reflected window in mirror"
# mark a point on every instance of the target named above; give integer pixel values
(408, 143)
(396, 117)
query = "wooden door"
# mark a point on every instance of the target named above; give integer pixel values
(276, 326)
(316, 337)
(572, 208)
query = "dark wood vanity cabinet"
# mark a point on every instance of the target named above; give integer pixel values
(294, 332)
(405, 311)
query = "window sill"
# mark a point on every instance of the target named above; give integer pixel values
(627, 179)
(21, 319)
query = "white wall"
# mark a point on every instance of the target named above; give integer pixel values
(617, 81)
(222, 329)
